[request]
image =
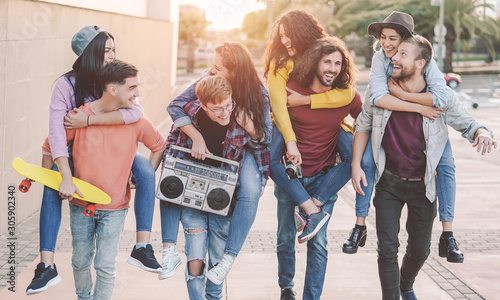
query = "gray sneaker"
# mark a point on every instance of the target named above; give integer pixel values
(169, 263)
(314, 223)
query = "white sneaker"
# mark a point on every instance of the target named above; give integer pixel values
(220, 270)
(169, 263)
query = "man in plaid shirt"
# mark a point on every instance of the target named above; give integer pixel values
(224, 137)
(235, 144)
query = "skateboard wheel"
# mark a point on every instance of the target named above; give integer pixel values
(89, 210)
(25, 186)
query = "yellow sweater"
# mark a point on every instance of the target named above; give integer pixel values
(276, 84)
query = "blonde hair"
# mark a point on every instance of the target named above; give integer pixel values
(213, 89)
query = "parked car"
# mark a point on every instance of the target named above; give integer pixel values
(452, 80)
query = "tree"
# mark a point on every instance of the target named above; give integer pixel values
(355, 16)
(463, 20)
(192, 24)
(255, 24)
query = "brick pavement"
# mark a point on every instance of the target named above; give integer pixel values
(264, 241)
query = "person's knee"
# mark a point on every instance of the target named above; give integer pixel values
(143, 170)
(196, 267)
(367, 162)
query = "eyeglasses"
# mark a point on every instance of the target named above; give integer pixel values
(220, 110)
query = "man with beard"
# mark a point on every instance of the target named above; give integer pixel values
(326, 65)
(407, 148)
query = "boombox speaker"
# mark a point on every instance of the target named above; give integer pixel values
(199, 186)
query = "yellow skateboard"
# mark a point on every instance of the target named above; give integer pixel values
(52, 179)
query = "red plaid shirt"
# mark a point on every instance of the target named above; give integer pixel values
(236, 143)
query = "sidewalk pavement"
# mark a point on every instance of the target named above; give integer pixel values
(254, 273)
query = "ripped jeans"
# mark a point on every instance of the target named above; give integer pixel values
(212, 238)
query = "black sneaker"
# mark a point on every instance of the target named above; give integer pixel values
(287, 294)
(144, 258)
(44, 278)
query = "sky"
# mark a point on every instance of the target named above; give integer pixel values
(226, 14)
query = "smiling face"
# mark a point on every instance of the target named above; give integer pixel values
(220, 112)
(329, 67)
(109, 51)
(405, 62)
(286, 41)
(390, 40)
(125, 94)
(218, 67)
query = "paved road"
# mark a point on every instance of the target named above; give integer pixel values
(254, 274)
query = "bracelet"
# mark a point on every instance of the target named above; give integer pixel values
(88, 117)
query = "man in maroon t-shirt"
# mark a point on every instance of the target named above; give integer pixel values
(407, 148)
(326, 65)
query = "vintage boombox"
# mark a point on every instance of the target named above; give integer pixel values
(196, 185)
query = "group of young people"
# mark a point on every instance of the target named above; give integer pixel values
(399, 146)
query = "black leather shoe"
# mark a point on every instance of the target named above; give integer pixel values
(356, 239)
(287, 294)
(408, 295)
(448, 247)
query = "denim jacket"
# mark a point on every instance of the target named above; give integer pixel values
(375, 119)
(180, 118)
(381, 69)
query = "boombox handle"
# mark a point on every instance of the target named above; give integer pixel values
(214, 157)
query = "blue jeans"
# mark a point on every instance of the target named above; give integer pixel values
(344, 144)
(99, 234)
(143, 174)
(317, 251)
(50, 212)
(324, 188)
(212, 239)
(243, 215)
(446, 185)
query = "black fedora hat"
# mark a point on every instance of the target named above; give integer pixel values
(397, 20)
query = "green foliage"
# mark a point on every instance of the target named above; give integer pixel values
(192, 23)
(255, 24)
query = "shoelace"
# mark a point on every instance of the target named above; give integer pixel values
(168, 260)
(39, 272)
(222, 268)
(149, 253)
(453, 244)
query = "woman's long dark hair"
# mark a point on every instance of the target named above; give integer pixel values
(86, 68)
(245, 83)
(302, 28)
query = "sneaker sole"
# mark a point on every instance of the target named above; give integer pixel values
(138, 263)
(49, 284)
(313, 233)
(213, 279)
(169, 274)
(299, 222)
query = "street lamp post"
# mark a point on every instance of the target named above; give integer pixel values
(440, 32)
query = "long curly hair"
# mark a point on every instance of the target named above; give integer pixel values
(305, 71)
(246, 85)
(302, 28)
